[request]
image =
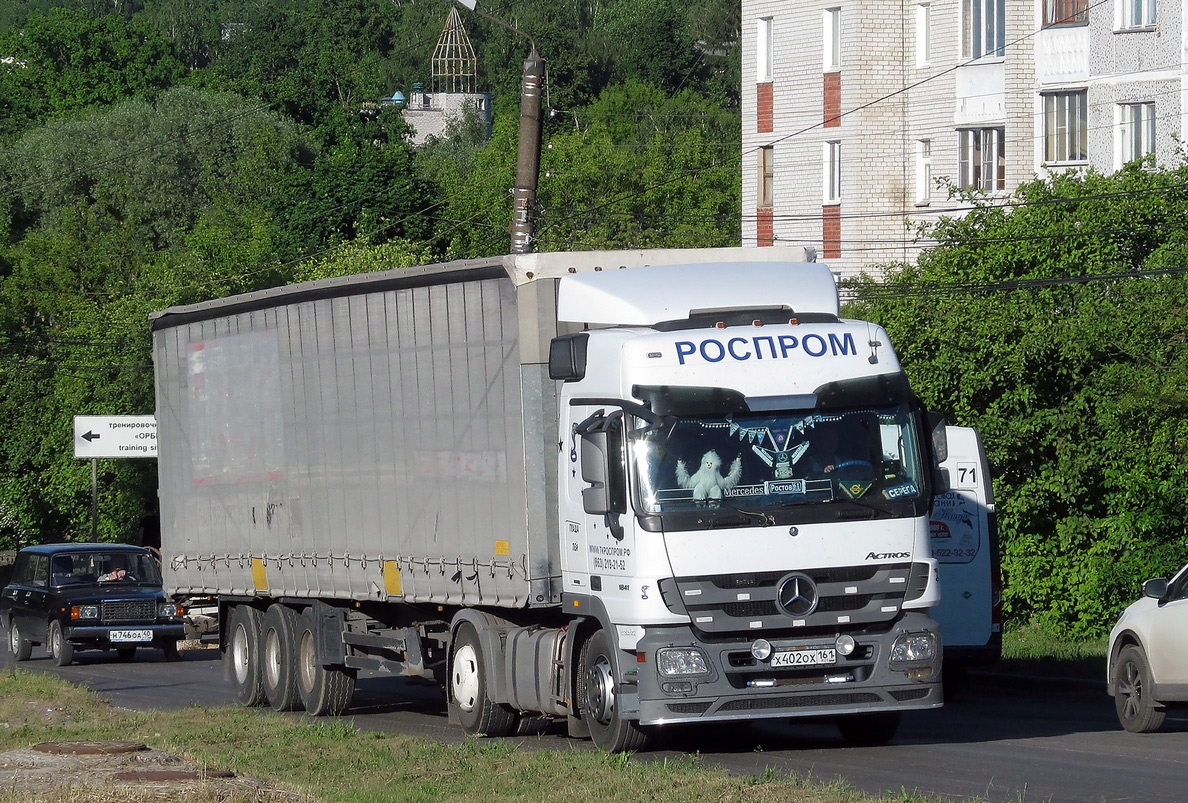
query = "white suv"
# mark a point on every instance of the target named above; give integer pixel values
(1147, 669)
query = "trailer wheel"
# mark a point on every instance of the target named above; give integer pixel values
(242, 658)
(468, 688)
(324, 690)
(869, 729)
(61, 649)
(279, 657)
(596, 695)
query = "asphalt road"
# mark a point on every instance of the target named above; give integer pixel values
(1015, 740)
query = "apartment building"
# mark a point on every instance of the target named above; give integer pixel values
(860, 115)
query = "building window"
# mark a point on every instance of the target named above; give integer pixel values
(832, 39)
(1138, 13)
(1065, 129)
(982, 164)
(1067, 12)
(766, 194)
(1138, 130)
(832, 159)
(923, 35)
(923, 171)
(763, 51)
(983, 28)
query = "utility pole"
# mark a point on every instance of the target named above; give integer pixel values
(528, 161)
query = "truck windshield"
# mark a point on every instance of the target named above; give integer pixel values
(774, 462)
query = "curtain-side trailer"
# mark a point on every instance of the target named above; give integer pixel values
(624, 490)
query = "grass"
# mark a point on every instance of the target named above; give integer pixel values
(304, 760)
(1032, 649)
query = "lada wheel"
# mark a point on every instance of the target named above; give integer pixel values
(1137, 712)
(596, 695)
(242, 656)
(21, 647)
(468, 688)
(281, 626)
(61, 650)
(324, 690)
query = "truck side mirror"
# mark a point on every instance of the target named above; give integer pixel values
(596, 498)
(940, 438)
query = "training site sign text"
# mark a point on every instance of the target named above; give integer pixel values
(115, 436)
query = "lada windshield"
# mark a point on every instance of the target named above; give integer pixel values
(94, 566)
(771, 462)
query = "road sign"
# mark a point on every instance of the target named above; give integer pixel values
(115, 436)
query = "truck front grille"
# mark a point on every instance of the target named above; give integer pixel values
(128, 610)
(848, 597)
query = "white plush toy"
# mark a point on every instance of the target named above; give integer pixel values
(708, 482)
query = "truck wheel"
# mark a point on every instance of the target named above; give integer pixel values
(1137, 712)
(21, 647)
(596, 698)
(868, 729)
(242, 658)
(279, 653)
(468, 688)
(61, 649)
(324, 690)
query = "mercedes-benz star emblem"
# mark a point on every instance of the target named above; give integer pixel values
(797, 595)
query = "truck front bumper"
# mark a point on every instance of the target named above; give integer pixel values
(728, 682)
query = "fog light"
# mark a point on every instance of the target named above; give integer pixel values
(675, 661)
(912, 648)
(919, 673)
(845, 645)
(761, 649)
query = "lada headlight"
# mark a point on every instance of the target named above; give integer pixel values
(84, 612)
(912, 648)
(169, 610)
(681, 661)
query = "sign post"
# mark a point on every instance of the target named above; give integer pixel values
(98, 436)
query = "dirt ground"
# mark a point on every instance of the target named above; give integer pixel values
(118, 771)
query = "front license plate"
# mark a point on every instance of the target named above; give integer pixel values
(821, 657)
(130, 635)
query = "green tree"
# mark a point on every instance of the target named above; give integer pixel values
(102, 220)
(66, 60)
(1078, 383)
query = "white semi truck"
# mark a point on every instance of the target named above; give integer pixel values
(619, 490)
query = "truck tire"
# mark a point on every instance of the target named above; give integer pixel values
(468, 688)
(324, 690)
(61, 650)
(1137, 712)
(242, 656)
(279, 657)
(869, 729)
(596, 699)
(21, 647)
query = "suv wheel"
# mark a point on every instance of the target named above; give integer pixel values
(1137, 711)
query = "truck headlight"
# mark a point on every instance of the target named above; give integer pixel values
(84, 612)
(169, 610)
(912, 648)
(681, 661)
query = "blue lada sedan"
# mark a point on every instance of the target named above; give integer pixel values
(88, 596)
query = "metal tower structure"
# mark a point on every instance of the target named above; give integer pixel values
(454, 65)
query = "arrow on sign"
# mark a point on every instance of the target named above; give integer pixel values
(91, 436)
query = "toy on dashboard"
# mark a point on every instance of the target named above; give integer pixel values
(707, 482)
